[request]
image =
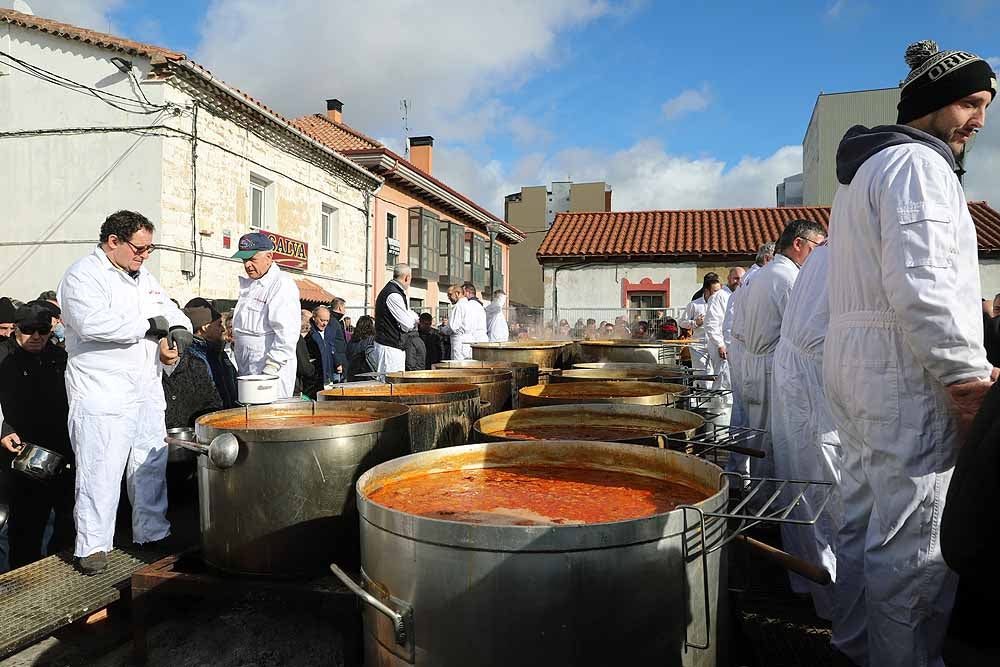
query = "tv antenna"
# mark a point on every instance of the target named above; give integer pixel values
(404, 110)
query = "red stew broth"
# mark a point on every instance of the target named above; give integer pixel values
(241, 421)
(532, 495)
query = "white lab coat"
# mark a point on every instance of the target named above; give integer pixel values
(116, 402)
(734, 350)
(496, 321)
(802, 431)
(760, 311)
(715, 314)
(905, 322)
(466, 324)
(266, 324)
(392, 359)
(699, 353)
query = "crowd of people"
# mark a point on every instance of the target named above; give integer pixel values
(865, 362)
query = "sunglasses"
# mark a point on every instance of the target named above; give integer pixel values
(29, 329)
(146, 249)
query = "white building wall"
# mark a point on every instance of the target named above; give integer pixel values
(56, 190)
(989, 277)
(599, 285)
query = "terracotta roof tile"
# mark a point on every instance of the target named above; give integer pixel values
(87, 36)
(310, 291)
(701, 233)
(338, 136)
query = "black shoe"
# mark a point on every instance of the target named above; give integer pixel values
(160, 547)
(95, 563)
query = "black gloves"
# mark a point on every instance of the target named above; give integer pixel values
(158, 327)
(180, 338)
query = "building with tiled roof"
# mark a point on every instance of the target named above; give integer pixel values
(444, 235)
(100, 123)
(656, 259)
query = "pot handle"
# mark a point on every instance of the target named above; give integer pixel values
(799, 566)
(484, 405)
(704, 575)
(400, 622)
(222, 451)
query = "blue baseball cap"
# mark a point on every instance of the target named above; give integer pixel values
(253, 243)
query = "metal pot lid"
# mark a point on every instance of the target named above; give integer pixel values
(277, 422)
(460, 375)
(407, 393)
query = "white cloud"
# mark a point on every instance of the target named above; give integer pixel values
(643, 176)
(994, 62)
(93, 14)
(834, 10)
(983, 164)
(450, 60)
(688, 101)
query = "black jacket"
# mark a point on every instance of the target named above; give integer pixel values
(33, 396)
(309, 367)
(969, 539)
(189, 391)
(434, 346)
(361, 358)
(220, 368)
(416, 354)
(991, 338)
(336, 341)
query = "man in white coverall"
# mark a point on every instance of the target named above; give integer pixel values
(120, 326)
(267, 317)
(715, 314)
(763, 306)
(694, 321)
(393, 318)
(904, 367)
(462, 322)
(496, 321)
(734, 353)
(802, 429)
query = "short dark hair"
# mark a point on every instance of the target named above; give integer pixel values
(47, 295)
(469, 286)
(426, 317)
(797, 229)
(124, 224)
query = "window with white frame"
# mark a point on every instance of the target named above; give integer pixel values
(329, 219)
(259, 201)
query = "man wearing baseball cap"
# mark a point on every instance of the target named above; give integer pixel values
(904, 368)
(266, 318)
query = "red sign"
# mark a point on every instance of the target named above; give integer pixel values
(290, 253)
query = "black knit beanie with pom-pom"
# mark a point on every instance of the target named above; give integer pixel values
(938, 78)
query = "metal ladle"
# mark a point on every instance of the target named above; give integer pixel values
(222, 451)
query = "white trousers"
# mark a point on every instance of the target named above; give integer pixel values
(460, 350)
(806, 447)
(251, 355)
(894, 592)
(723, 381)
(390, 359)
(111, 437)
(738, 463)
(755, 390)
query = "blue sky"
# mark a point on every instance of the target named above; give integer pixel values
(676, 104)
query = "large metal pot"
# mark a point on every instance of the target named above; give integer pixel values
(637, 424)
(524, 374)
(494, 384)
(447, 593)
(621, 350)
(634, 393)
(286, 505)
(632, 365)
(547, 354)
(617, 375)
(441, 414)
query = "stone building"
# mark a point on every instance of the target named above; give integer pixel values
(91, 123)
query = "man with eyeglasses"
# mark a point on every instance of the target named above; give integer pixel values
(33, 396)
(122, 332)
(267, 318)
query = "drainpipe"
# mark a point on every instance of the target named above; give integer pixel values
(555, 285)
(368, 246)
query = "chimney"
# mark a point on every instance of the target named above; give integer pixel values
(422, 152)
(334, 110)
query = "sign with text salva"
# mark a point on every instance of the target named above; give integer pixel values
(289, 253)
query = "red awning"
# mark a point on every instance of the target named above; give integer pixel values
(310, 291)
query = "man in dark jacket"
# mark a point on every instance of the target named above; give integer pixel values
(308, 361)
(433, 340)
(335, 340)
(319, 323)
(416, 354)
(35, 408)
(190, 390)
(209, 345)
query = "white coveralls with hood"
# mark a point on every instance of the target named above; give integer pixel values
(761, 308)
(466, 324)
(496, 321)
(734, 351)
(116, 403)
(266, 326)
(700, 362)
(905, 322)
(802, 429)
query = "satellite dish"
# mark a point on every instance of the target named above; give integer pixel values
(23, 7)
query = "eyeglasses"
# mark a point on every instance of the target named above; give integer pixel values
(144, 250)
(815, 243)
(29, 329)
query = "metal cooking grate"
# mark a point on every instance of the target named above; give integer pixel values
(39, 598)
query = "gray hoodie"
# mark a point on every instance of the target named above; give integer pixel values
(860, 143)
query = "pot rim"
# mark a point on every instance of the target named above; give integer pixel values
(520, 346)
(438, 392)
(460, 375)
(570, 453)
(587, 414)
(380, 411)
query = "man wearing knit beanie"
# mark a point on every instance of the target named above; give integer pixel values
(904, 368)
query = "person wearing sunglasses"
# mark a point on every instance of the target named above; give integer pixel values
(33, 397)
(122, 333)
